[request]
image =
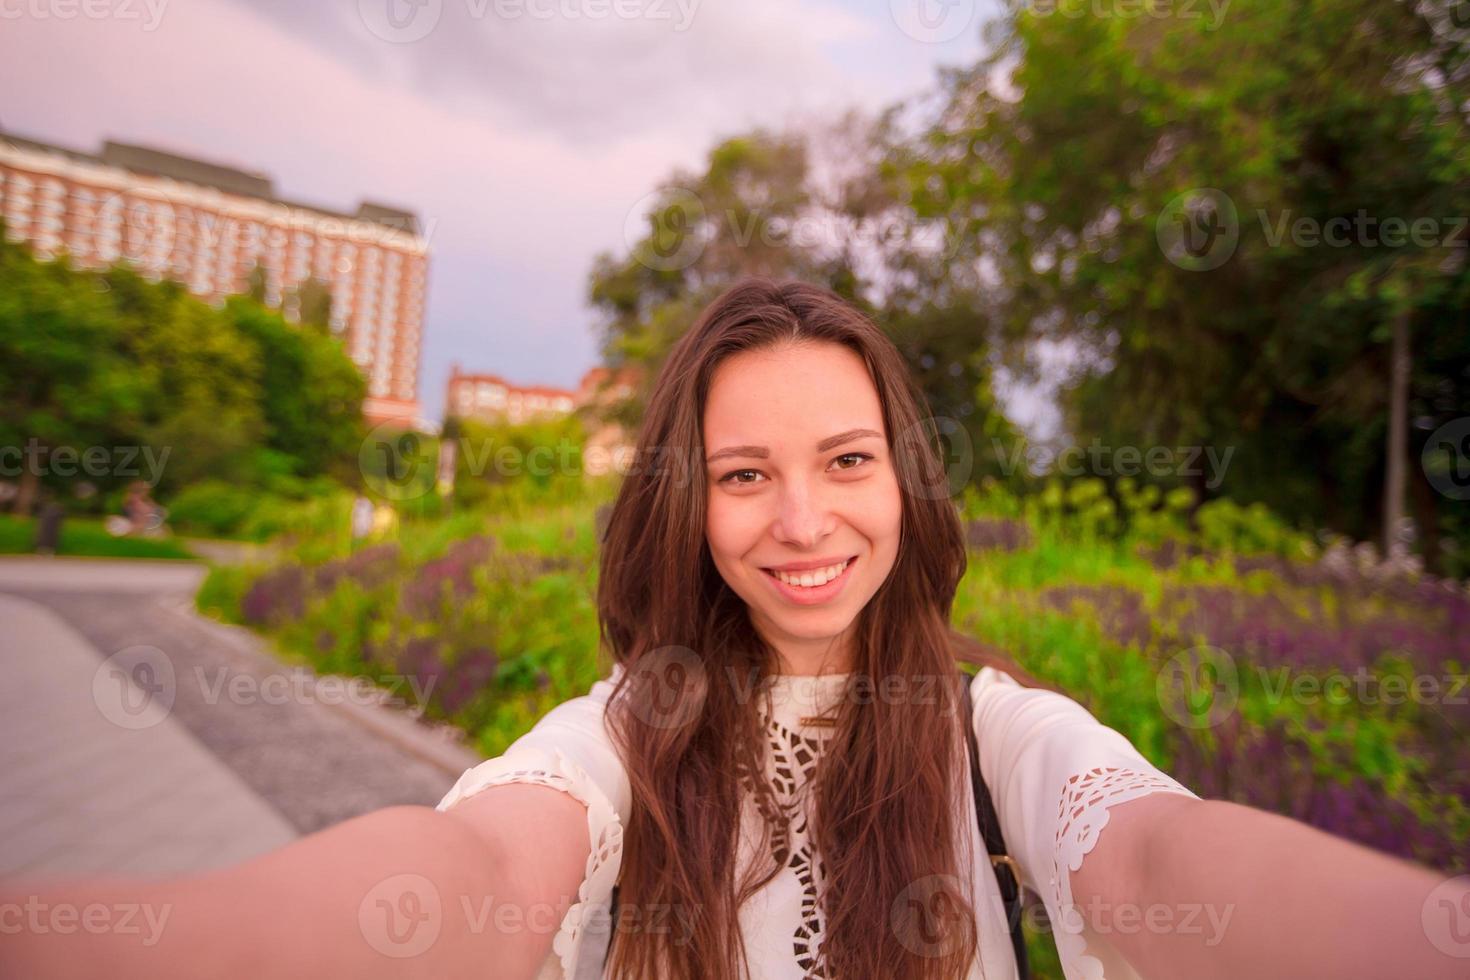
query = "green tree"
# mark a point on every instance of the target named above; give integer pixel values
(63, 380)
(815, 206)
(311, 392)
(115, 360)
(202, 403)
(1155, 192)
(311, 301)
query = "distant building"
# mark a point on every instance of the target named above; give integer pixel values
(602, 386)
(490, 398)
(207, 226)
(609, 446)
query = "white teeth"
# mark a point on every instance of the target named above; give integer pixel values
(813, 577)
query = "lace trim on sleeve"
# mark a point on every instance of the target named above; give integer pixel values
(604, 828)
(1081, 817)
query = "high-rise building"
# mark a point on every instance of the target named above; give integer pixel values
(208, 226)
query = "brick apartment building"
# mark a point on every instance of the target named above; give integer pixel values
(207, 226)
(490, 398)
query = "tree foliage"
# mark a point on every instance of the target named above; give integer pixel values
(111, 359)
(1219, 217)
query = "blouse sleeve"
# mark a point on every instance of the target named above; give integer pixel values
(1054, 771)
(569, 749)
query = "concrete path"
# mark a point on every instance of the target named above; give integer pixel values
(137, 737)
(99, 778)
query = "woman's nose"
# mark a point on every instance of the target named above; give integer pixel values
(804, 512)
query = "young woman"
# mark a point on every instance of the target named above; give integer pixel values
(773, 774)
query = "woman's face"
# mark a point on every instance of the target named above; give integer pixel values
(800, 475)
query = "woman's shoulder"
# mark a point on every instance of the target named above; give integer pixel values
(998, 693)
(568, 746)
(583, 711)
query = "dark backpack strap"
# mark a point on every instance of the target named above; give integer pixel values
(612, 911)
(1007, 875)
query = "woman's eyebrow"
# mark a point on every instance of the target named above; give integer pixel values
(761, 452)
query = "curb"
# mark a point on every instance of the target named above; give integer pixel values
(436, 746)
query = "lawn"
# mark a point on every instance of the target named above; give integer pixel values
(85, 537)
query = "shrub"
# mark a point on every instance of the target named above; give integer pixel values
(212, 508)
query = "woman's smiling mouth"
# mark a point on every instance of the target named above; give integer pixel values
(810, 586)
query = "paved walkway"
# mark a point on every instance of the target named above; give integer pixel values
(139, 738)
(101, 779)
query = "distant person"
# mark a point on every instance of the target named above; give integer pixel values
(775, 774)
(140, 514)
(362, 517)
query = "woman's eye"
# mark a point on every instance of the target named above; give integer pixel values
(734, 475)
(858, 456)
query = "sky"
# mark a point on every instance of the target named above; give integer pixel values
(522, 132)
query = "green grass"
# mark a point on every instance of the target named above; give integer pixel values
(540, 622)
(85, 537)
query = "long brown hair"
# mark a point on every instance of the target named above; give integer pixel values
(884, 817)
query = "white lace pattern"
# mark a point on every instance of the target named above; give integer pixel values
(1081, 816)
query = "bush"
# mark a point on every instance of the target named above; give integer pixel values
(213, 508)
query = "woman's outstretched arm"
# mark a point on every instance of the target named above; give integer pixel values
(1234, 891)
(402, 892)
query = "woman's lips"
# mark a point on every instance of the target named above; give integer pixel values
(815, 595)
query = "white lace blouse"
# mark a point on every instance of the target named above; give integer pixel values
(1053, 771)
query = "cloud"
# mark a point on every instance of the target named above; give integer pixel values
(521, 143)
(576, 69)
